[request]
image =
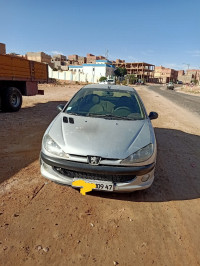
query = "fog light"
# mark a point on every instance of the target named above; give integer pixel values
(145, 178)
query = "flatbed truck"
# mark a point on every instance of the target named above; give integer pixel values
(19, 76)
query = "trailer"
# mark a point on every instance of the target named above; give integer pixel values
(19, 76)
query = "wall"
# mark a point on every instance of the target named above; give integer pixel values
(94, 73)
(86, 73)
(67, 75)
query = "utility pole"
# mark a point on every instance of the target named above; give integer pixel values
(188, 65)
(106, 54)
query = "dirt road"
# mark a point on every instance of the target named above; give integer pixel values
(187, 101)
(42, 223)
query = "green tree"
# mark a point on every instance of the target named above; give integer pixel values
(120, 72)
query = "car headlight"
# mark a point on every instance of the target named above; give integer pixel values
(139, 156)
(52, 147)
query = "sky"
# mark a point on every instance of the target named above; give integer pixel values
(160, 32)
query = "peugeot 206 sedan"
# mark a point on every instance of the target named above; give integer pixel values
(103, 136)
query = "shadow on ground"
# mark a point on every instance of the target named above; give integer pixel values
(177, 175)
(21, 135)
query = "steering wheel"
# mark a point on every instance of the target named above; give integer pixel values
(122, 108)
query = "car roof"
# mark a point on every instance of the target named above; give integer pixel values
(109, 86)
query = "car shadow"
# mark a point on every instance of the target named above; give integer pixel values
(177, 175)
(21, 136)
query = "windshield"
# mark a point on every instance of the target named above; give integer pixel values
(106, 103)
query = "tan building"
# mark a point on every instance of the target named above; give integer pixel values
(165, 75)
(76, 60)
(181, 73)
(191, 75)
(100, 57)
(59, 57)
(91, 59)
(195, 73)
(79, 60)
(141, 70)
(2, 48)
(119, 61)
(73, 57)
(59, 62)
(39, 57)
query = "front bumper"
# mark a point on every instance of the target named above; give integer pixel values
(139, 173)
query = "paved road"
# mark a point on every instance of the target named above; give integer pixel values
(190, 102)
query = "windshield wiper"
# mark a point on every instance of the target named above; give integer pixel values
(110, 116)
(71, 113)
(80, 114)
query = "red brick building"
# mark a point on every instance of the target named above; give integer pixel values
(165, 75)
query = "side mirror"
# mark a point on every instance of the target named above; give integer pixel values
(153, 115)
(60, 107)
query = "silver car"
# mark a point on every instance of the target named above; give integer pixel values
(103, 136)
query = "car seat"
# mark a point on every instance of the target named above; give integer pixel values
(103, 107)
(88, 101)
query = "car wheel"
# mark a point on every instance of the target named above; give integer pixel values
(12, 100)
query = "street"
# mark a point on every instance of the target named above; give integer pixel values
(190, 102)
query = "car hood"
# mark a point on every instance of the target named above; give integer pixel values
(106, 138)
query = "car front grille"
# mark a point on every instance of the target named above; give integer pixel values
(99, 177)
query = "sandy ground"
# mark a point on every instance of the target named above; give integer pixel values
(189, 89)
(42, 223)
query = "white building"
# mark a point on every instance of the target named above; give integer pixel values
(86, 73)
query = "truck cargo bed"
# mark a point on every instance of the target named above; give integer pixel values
(16, 68)
(19, 76)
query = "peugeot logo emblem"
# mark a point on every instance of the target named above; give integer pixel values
(94, 160)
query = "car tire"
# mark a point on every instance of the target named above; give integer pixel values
(12, 100)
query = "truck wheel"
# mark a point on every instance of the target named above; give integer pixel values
(12, 100)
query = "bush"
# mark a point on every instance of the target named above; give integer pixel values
(195, 81)
(131, 78)
(102, 79)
